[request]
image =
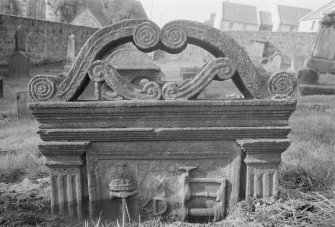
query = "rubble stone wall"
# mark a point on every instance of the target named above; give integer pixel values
(45, 41)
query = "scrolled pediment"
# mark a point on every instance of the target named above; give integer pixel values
(231, 62)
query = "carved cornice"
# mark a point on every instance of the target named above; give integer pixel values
(147, 36)
(163, 134)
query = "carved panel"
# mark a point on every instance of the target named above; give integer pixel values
(232, 62)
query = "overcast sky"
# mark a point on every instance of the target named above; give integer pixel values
(162, 11)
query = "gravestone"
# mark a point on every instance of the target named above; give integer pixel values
(299, 56)
(18, 65)
(189, 72)
(19, 61)
(70, 53)
(1, 87)
(22, 99)
(161, 152)
(20, 39)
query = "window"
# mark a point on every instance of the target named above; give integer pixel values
(313, 25)
(231, 25)
(292, 28)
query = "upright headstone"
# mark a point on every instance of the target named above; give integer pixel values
(70, 54)
(19, 61)
(299, 55)
(20, 39)
(1, 87)
(258, 48)
(22, 99)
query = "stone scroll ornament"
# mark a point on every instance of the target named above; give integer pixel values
(147, 37)
(282, 85)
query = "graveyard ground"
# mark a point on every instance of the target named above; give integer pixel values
(307, 181)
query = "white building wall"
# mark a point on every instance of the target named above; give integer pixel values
(275, 18)
(307, 26)
(225, 26)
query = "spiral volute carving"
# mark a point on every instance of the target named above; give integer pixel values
(152, 90)
(146, 36)
(174, 37)
(170, 90)
(227, 68)
(42, 88)
(282, 85)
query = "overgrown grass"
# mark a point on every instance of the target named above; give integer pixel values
(18, 150)
(312, 152)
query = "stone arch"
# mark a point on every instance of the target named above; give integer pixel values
(232, 61)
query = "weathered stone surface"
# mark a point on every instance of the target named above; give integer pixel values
(1, 87)
(70, 53)
(307, 89)
(22, 100)
(161, 153)
(173, 38)
(19, 65)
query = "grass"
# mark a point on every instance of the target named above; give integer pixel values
(18, 150)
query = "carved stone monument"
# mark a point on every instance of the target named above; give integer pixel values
(70, 53)
(160, 151)
(19, 61)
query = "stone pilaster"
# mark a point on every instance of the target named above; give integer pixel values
(262, 158)
(65, 160)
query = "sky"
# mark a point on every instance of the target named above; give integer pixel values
(163, 11)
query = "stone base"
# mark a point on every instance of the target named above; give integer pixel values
(105, 156)
(305, 89)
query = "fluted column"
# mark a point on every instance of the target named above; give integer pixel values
(262, 158)
(65, 160)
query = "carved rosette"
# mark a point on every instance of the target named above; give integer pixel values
(282, 85)
(146, 36)
(223, 68)
(174, 37)
(42, 87)
(100, 71)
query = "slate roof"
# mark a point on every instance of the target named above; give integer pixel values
(239, 13)
(99, 15)
(265, 18)
(291, 15)
(317, 14)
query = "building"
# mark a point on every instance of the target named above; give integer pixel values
(310, 22)
(90, 17)
(287, 18)
(210, 22)
(236, 17)
(265, 21)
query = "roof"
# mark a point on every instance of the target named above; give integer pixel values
(239, 13)
(290, 15)
(317, 14)
(99, 15)
(265, 18)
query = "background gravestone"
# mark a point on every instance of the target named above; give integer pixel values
(1, 87)
(70, 54)
(299, 56)
(22, 99)
(19, 61)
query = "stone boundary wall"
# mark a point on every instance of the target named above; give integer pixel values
(284, 41)
(45, 41)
